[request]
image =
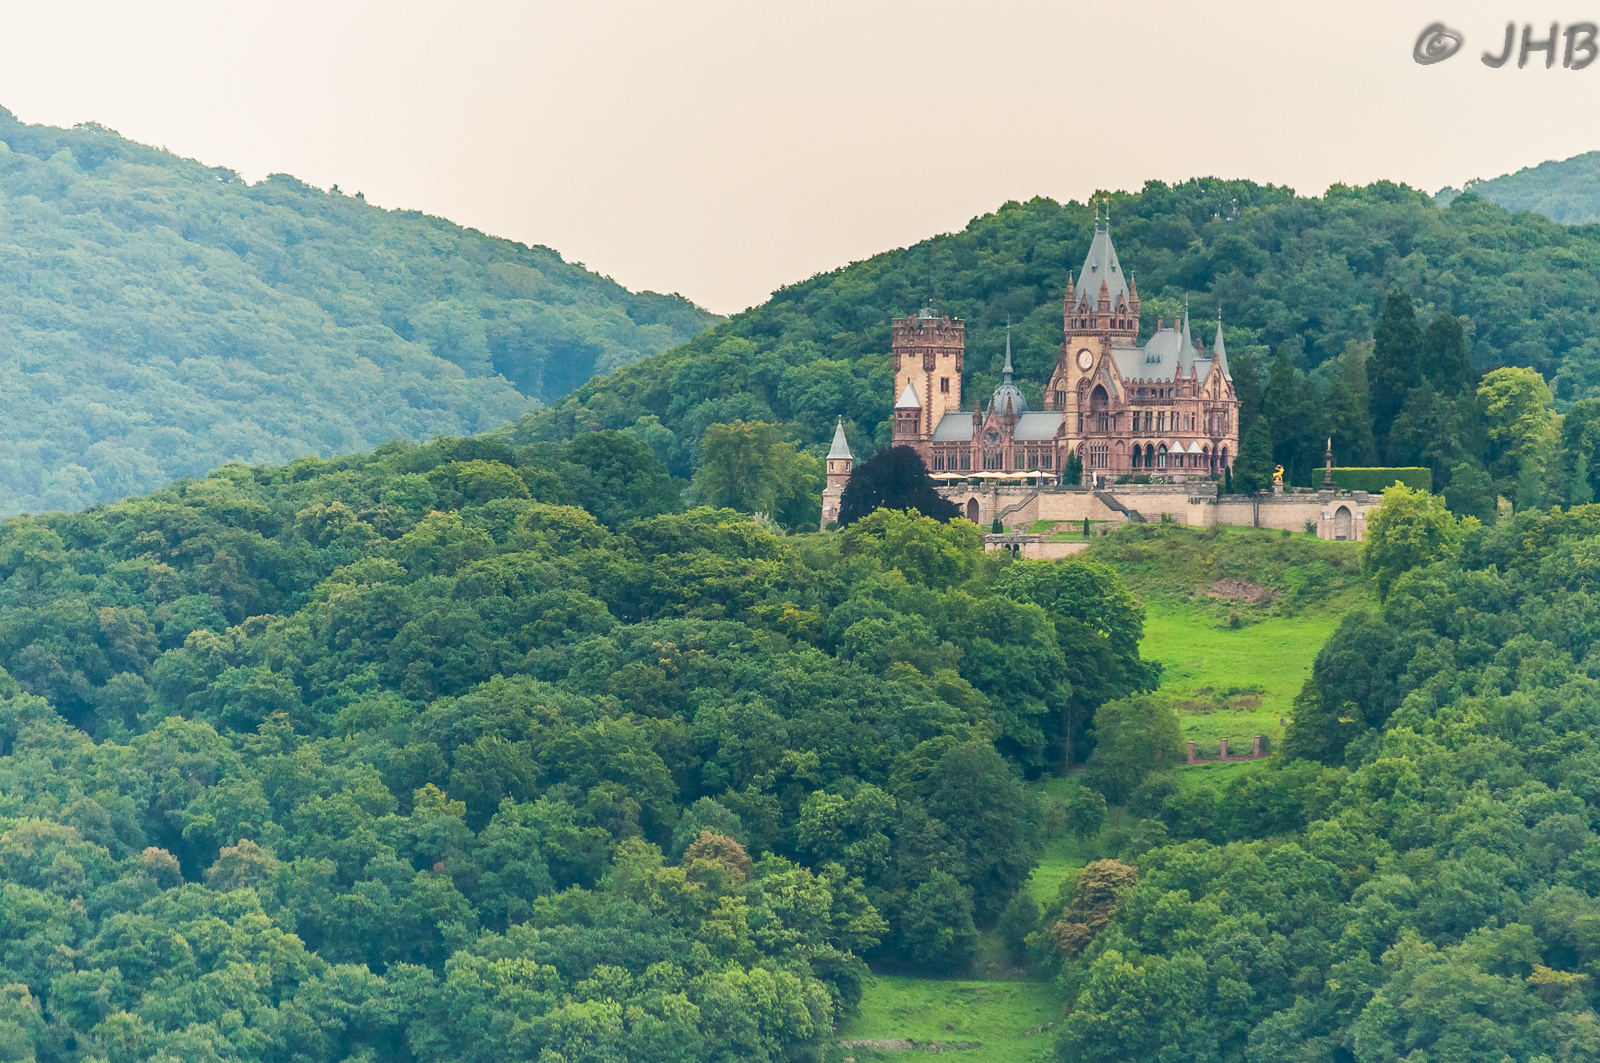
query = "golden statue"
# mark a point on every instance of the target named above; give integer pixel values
(1277, 476)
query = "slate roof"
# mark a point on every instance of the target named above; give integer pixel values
(841, 447)
(908, 399)
(954, 427)
(1101, 265)
(1039, 425)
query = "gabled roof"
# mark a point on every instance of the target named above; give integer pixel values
(954, 427)
(841, 446)
(908, 399)
(1041, 424)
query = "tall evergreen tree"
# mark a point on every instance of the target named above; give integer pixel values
(1445, 360)
(1395, 366)
(1253, 469)
(1350, 405)
(1580, 449)
(1247, 374)
(1285, 410)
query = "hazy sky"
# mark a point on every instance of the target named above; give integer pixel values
(721, 149)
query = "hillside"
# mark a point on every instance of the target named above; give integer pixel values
(406, 756)
(159, 318)
(1305, 276)
(1564, 190)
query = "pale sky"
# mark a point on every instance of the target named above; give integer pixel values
(722, 148)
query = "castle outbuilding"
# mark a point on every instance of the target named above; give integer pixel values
(1166, 408)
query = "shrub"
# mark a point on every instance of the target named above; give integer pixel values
(1377, 480)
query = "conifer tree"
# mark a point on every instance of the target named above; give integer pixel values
(1254, 465)
(1394, 370)
(1349, 407)
(1445, 360)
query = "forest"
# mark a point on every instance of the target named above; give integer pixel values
(469, 751)
(162, 317)
(1565, 190)
(475, 750)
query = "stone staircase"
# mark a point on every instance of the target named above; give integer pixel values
(1112, 504)
(1029, 497)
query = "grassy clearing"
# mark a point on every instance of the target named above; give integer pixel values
(998, 1015)
(1235, 616)
(1268, 660)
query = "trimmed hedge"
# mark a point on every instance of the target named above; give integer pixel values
(1375, 480)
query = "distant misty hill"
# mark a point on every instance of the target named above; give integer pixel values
(159, 318)
(1567, 190)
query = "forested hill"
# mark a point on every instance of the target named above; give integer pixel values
(405, 757)
(159, 318)
(1309, 273)
(1567, 190)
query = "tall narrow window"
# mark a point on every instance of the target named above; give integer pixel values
(944, 384)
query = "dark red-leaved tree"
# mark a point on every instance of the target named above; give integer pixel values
(893, 479)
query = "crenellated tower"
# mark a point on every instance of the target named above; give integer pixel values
(929, 352)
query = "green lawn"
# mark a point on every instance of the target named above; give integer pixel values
(1202, 657)
(998, 1015)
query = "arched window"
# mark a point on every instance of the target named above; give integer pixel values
(1138, 456)
(1099, 405)
(1161, 456)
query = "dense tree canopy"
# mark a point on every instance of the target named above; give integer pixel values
(1416, 878)
(468, 751)
(1567, 190)
(162, 318)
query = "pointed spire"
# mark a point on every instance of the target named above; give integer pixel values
(1219, 355)
(1005, 373)
(841, 446)
(908, 399)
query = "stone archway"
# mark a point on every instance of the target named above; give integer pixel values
(972, 510)
(1341, 523)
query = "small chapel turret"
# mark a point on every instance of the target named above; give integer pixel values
(840, 462)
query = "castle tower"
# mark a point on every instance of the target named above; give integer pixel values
(1099, 310)
(929, 353)
(840, 462)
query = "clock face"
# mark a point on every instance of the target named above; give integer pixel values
(1085, 360)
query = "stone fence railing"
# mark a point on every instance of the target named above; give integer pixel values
(1256, 752)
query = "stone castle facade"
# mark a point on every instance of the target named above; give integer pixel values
(1164, 413)
(1166, 408)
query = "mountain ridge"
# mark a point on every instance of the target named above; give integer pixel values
(160, 317)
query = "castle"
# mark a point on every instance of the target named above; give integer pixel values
(1164, 413)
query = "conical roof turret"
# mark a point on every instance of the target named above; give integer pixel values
(1219, 355)
(908, 399)
(841, 446)
(1101, 265)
